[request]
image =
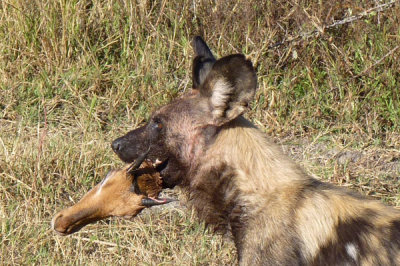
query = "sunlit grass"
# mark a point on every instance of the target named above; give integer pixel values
(74, 75)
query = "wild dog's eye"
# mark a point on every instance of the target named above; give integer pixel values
(155, 128)
(157, 124)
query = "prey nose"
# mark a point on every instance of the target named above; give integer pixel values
(58, 225)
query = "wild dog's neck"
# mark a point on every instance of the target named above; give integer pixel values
(200, 142)
(235, 173)
(259, 163)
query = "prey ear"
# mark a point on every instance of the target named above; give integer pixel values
(230, 86)
(202, 63)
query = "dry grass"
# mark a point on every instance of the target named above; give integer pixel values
(74, 75)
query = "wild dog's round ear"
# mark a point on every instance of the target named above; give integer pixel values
(230, 87)
(202, 62)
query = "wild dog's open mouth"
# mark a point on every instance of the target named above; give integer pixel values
(148, 180)
(170, 170)
(160, 165)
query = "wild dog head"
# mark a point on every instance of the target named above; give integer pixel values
(177, 134)
(123, 193)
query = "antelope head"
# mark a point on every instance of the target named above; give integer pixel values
(123, 193)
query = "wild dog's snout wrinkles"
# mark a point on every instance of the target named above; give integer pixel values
(239, 180)
(116, 145)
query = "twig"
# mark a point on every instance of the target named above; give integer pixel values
(42, 136)
(377, 62)
(99, 242)
(18, 181)
(379, 8)
(336, 23)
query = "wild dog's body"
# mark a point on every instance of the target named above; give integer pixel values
(278, 215)
(240, 181)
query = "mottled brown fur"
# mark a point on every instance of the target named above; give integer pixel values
(240, 181)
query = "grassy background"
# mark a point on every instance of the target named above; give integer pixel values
(76, 74)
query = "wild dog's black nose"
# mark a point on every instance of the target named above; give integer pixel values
(116, 145)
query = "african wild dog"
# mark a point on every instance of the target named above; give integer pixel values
(238, 180)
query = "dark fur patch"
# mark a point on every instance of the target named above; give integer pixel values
(353, 231)
(394, 233)
(393, 242)
(210, 199)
